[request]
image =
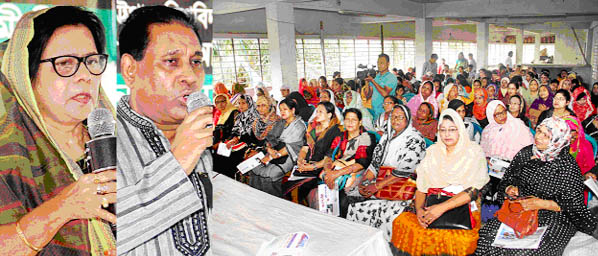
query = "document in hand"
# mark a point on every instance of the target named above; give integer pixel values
(250, 163)
(593, 185)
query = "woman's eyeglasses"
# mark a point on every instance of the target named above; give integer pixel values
(67, 66)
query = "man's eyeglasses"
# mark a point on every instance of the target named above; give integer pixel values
(67, 66)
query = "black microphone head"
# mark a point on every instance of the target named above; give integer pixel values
(197, 100)
(100, 123)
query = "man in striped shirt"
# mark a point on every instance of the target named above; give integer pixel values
(164, 190)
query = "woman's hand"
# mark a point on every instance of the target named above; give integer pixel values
(230, 143)
(271, 151)
(590, 175)
(512, 191)
(84, 198)
(420, 217)
(369, 190)
(433, 212)
(542, 107)
(330, 178)
(534, 203)
(266, 159)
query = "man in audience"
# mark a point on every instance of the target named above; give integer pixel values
(472, 62)
(164, 191)
(383, 85)
(430, 65)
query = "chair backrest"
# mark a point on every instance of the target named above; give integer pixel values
(594, 144)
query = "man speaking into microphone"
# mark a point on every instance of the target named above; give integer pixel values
(164, 191)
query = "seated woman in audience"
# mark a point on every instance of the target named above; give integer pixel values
(424, 122)
(303, 109)
(224, 117)
(319, 138)
(503, 88)
(401, 148)
(309, 93)
(474, 130)
(517, 108)
(426, 94)
(454, 163)
(353, 100)
(282, 151)
(220, 88)
(382, 121)
(580, 148)
(501, 140)
(241, 135)
(543, 102)
(480, 104)
(565, 84)
(560, 200)
(582, 103)
(328, 96)
(492, 90)
(560, 106)
(531, 94)
(594, 95)
(513, 89)
(351, 155)
(451, 92)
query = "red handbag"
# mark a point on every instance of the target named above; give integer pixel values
(403, 189)
(524, 223)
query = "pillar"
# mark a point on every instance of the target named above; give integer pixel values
(537, 47)
(423, 43)
(482, 36)
(519, 49)
(280, 22)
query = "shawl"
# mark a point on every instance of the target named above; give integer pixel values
(303, 109)
(311, 136)
(560, 136)
(528, 95)
(366, 120)
(501, 94)
(244, 120)
(30, 157)
(479, 111)
(417, 100)
(580, 149)
(504, 141)
(262, 125)
(429, 127)
(355, 148)
(539, 101)
(445, 102)
(220, 88)
(403, 150)
(582, 111)
(465, 166)
(220, 117)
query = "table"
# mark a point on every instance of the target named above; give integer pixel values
(243, 218)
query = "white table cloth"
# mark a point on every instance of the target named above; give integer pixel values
(243, 218)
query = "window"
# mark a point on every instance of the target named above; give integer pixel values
(498, 52)
(244, 60)
(449, 51)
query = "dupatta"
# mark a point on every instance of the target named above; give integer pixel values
(35, 161)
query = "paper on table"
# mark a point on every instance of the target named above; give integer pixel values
(223, 150)
(593, 185)
(289, 244)
(506, 238)
(250, 163)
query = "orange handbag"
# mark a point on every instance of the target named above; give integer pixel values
(524, 223)
(402, 190)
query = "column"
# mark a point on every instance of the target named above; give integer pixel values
(519, 49)
(482, 36)
(280, 22)
(423, 43)
(537, 49)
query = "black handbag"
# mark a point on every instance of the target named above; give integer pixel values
(457, 218)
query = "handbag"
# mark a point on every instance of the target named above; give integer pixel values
(456, 218)
(524, 223)
(403, 189)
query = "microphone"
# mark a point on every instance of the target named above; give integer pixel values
(198, 100)
(102, 146)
